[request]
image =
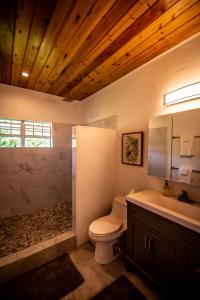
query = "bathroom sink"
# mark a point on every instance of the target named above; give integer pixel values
(183, 213)
(189, 210)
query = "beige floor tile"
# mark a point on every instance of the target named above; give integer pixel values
(70, 296)
(82, 255)
(98, 276)
(142, 286)
(84, 292)
(115, 268)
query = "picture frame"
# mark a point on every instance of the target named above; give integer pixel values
(132, 148)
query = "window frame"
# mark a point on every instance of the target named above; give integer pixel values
(23, 135)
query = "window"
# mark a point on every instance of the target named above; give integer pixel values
(37, 134)
(10, 133)
(15, 133)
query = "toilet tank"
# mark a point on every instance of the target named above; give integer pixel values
(119, 209)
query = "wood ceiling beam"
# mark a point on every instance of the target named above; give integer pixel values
(157, 26)
(59, 18)
(147, 39)
(72, 24)
(7, 21)
(22, 26)
(73, 48)
(117, 17)
(97, 79)
(124, 40)
(162, 46)
(41, 17)
(170, 41)
(98, 11)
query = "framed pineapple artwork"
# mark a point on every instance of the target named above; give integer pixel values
(132, 148)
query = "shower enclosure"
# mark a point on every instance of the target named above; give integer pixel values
(35, 192)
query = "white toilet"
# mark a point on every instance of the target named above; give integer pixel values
(107, 232)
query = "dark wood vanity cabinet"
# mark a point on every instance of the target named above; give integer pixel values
(137, 248)
(165, 251)
(162, 259)
(188, 271)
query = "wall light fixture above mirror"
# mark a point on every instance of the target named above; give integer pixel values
(185, 93)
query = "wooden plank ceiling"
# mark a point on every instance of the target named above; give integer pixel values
(73, 48)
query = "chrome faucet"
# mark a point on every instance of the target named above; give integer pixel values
(184, 197)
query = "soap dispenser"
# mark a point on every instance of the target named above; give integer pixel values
(166, 189)
(132, 191)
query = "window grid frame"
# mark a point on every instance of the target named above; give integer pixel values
(22, 129)
(11, 122)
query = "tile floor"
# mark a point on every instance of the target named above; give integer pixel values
(99, 276)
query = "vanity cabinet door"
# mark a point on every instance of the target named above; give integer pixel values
(138, 244)
(188, 270)
(167, 252)
(162, 256)
(152, 253)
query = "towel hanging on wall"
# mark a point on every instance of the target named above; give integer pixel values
(186, 146)
(185, 175)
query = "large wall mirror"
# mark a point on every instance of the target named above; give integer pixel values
(174, 147)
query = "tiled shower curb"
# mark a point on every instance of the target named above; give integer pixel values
(32, 257)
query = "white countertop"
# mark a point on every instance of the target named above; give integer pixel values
(185, 214)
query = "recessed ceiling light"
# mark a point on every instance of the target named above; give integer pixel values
(25, 74)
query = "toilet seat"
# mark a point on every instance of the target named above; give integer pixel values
(105, 226)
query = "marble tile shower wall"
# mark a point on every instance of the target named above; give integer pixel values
(36, 178)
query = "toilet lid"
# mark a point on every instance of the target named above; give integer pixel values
(105, 225)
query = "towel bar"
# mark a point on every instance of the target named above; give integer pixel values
(178, 137)
(194, 171)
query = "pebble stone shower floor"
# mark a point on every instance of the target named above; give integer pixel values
(20, 232)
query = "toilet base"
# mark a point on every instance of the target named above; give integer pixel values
(106, 252)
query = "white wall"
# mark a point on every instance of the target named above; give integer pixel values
(94, 176)
(19, 103)
(139, 96)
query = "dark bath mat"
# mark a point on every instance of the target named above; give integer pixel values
(120, 289)
(48, 282)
